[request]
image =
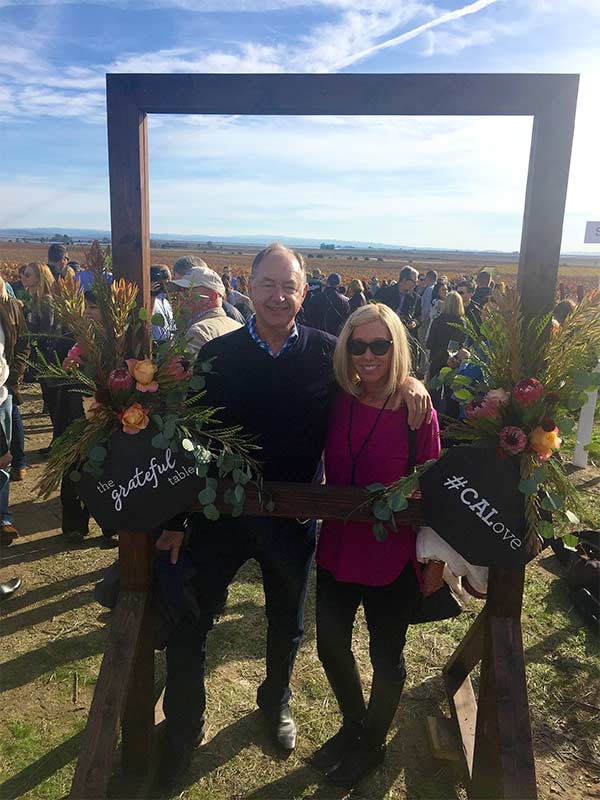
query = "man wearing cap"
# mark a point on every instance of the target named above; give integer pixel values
(204, 291)
(328, 310)
(181, 268)
(280, 392)
(159, 276)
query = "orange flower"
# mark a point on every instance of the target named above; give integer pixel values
(143, 372)
(544, 442)
(90, 407)
(134, 418)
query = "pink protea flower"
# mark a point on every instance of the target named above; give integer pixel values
(527, 392)
(120, 380)
(178, 369)
(512, 439)
(488, 409)
(76, 354)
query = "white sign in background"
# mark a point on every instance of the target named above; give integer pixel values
(592, 233)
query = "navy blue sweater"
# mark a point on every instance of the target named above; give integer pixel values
(284, 401)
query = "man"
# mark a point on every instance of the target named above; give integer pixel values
(280, 391)
(424, 318)
(181, 268)
(328, 309)
(402, 298)
(466, 290)
(483, 291)
(204, 293)
(58, 260)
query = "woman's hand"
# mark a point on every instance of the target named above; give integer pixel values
(433, 577)
(172, 541)
(418, 402)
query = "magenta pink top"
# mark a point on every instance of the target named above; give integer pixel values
(349, 550)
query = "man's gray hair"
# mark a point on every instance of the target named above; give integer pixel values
(277, 247)
(184, 264)
(408, 273)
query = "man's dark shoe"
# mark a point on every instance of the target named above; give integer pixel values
(9, 588)
(282, 728)
(175, 762)
(358, 762)
(8, 533)
(333, 750)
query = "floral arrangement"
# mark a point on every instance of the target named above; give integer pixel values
(124, 389)
(532, 380)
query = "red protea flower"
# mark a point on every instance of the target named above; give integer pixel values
(120, 380)
(528, 391)
(512, 440)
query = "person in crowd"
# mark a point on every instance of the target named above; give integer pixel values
(356, 290)
(402, 298)
(367, 442)
(280, 391)
(58, 261)
(233, 296)
(183, 266)
(75, 515)
(39, 280)
(7, 530)
(562, 310)
(438, 295)
(426, 299)
(421, 284)
(373, 287)
(443, 331)
(19, 290)
(16, 353)
(328, 310)
(484, 289)
(159, 276)
(204, 293)
(466, 289)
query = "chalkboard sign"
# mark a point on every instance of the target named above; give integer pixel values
(470, 497)
(141, 487)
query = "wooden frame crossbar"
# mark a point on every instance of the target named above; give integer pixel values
(495, 732)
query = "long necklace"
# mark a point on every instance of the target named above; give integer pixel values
(354, 458)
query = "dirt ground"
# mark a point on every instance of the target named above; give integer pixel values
(53, 634)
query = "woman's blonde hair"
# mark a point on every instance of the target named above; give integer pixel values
(3, 291)
(44, 280)
(453, 305)
(355, 286)
(345, 373)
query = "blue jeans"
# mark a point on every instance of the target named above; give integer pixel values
(17, 444)
(5, 435)
(284, 550)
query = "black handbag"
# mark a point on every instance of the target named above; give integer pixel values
(441, 604)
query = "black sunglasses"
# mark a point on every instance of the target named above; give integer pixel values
(379, 347)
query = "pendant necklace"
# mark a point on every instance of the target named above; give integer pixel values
(354, 458)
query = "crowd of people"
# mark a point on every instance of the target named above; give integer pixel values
(323, 377)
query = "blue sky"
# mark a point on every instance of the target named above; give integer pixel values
(441, 182)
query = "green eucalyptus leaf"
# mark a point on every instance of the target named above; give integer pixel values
(229, 497)
(237, 510)
(206, 366)
(212, 482)
(572, 517)
(570, 540)
(380, 532)
(382, 510)
(375, 487)
(528, 487)
(187, 445)
(201, 470)
(211, 512)
(158, 421)
(546, 529)
(207, 496)
(75, 476)
(463, 394)
(239, 493)
(169, 430)
(143, 314)
(270, 506)
(158, 320)
(197, 383)
(397, 501)
(98, 453)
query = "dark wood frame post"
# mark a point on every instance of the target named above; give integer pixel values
(496, 736)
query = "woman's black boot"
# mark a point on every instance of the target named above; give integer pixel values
(348, 693)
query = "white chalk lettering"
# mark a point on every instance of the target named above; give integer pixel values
(479, 506)
(145, 477)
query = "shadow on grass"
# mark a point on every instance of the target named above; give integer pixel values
(36, 615)
(32, 596)
(42, 769)
(37, 549)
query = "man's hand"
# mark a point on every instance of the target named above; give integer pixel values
(170, 540)
(433, 579)
(418, 402)
(5, 460)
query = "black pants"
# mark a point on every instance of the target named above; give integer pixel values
(75, 516)
(387, 611)
(284, 551)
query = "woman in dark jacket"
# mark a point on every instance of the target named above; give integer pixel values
(356, 290)
(443, 331)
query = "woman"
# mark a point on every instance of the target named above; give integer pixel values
(438, 295)
(16, 352)
(367, 443)
(443, 330)
(38, 280)
(7, 530)
(356, 290)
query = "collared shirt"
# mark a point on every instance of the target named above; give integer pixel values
(291, 340)
(426, 302)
